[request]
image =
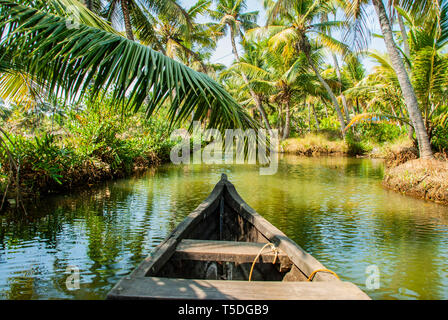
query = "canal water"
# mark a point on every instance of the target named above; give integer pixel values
(334, 208)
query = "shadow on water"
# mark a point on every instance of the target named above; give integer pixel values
(335, 208)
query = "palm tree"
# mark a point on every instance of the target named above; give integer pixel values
(230, 15)
(355, 10)
(380, 93)
(338, 69)
(129, 12)
(95, 58)
(280, 80)
(353, 73)
(187, 43)
(290, 24)
(429, 65)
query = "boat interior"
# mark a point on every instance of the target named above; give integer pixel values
(224, 244)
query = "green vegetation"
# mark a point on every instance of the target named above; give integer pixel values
(99, 83)
(84, 147)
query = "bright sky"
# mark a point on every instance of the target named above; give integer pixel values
(223, 53)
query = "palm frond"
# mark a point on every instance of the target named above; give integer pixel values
(18, 88)
(73, 61)
(250, 70)
(373, 117)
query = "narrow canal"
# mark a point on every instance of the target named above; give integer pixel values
(335, 208)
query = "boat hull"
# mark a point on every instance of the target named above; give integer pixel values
(211, 254)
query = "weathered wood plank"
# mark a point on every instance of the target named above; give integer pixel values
(168, 288)
(230, 251)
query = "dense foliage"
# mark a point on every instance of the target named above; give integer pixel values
(83, 147)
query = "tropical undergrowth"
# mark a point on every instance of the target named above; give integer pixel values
(78, 148)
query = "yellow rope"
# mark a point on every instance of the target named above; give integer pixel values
(311, 277)
(259, 253)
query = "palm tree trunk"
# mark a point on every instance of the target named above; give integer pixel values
(309, 116)
(405, 83)
(127, 19)
(280, 120)
(344, 100)
(407, 51)
(329, 91)
(315, 117)
(254, 96)
(338, 74)
(287, 121)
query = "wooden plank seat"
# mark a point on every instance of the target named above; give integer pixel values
(229, 251)
(192, 289)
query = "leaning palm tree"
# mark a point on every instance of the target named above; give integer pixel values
(355, 9)
(71, 61)
(231, 17)
(337, 68)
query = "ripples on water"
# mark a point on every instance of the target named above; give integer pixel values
(335, 208)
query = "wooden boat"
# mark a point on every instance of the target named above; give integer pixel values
(222, 245)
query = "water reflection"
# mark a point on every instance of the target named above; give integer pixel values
(335, 208)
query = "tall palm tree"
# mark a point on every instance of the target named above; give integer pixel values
(338, 70)
(404, 35)
(281, 80)
(355, 10)
(231, 16)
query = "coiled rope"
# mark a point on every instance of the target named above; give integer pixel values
(311, 277)
(258, 255)
(274, 248)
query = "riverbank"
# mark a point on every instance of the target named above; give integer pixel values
(61, 173)
(404, 172)
(394, 152)
(315, 145)
(78, 151)
(424, 179)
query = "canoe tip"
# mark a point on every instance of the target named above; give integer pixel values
(223, 176)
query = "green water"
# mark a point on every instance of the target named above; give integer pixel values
(335, 208)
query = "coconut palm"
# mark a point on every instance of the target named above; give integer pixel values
(337, 69)
(292, 29)
(354, 9)
(282, 81)
(231, 17)
(187, 43)
(380, 93)
(353, 73)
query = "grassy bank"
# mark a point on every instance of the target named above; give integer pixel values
(331, 143)
(313, 144)
(425, 179)
(80, 149)
(405, 173)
